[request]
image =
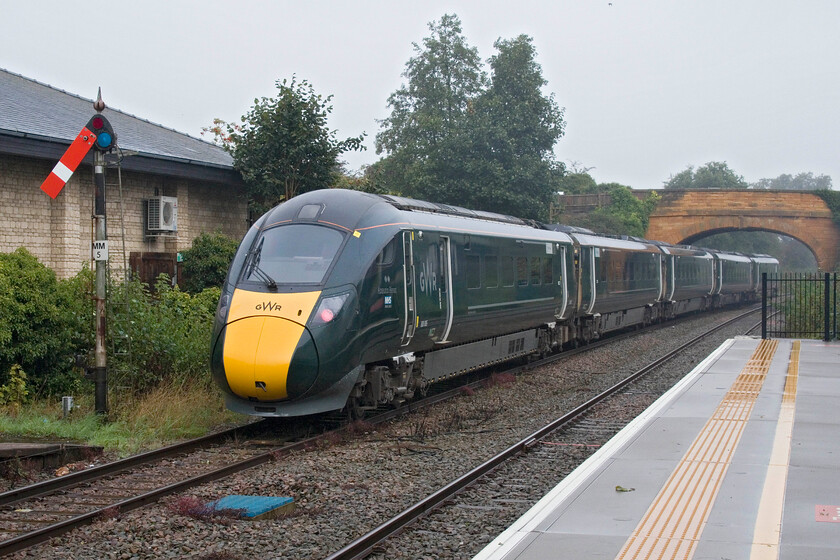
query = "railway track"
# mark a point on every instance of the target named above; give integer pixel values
(537, 446)
(36, 513)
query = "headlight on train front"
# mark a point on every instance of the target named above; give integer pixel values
(328, 309)
(223, 307)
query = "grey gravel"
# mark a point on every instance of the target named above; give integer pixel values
(348, 488)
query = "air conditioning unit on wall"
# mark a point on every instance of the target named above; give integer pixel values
(162, 214)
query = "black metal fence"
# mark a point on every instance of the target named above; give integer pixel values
(799, 306)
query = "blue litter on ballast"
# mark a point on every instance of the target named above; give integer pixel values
(252, 506)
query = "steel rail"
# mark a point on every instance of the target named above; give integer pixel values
(34, 537)
(75, 479)
(364, 545)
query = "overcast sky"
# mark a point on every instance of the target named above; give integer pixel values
(648, 86)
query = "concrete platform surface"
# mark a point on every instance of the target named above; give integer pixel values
(741, 459)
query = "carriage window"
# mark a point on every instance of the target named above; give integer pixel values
(535, 271)
(386, 255)
(547, 276)
(491, 272)
(521, 271)
(473, 272)
(507, 272)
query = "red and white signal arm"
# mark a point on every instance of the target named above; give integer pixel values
(68, 163)
(97, 133)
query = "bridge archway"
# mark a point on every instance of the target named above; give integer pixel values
(682, 217)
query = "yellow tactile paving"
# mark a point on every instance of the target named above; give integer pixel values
(672, 525)
(768, 523)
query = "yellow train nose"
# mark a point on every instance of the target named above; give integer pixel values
(258, 353)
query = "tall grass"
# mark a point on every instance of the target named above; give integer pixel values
(134, 423)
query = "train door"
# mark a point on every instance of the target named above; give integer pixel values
(669, 276)
(433, 292)
(410, 311)
(563, 283)
(587, 278)
(446, 286)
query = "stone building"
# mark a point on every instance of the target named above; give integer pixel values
(163, 188)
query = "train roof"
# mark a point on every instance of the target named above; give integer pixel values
(685, 250)
(568, 229)
(404, 203)
(613, 242)
(735, 257)
(764, 259)
(356, 210)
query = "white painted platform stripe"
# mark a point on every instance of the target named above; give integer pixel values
(768, 523)
(672, 525)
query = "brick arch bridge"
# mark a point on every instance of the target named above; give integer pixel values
(682, 217)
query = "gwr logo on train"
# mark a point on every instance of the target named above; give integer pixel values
(428, 275)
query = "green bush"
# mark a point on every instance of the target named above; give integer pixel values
(44, 323)
(14, 391)
(206, 263)
(163, 337)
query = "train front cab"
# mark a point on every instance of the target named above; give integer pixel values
(287, 333)
(265, 346)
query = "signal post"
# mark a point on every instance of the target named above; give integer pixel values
(99, 135)
(105, 141)
(100, 377)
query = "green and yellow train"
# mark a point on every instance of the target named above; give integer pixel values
(346, 299)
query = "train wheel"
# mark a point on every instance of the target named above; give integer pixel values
(353, 409)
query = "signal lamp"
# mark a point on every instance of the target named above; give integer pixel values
(106, 138)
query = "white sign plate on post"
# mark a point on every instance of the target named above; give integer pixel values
(100, 250)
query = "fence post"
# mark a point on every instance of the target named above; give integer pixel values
(826, 308)
(763, 305)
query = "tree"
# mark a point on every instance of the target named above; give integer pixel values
(801, 182)
(283, 146)
(206, 262)
(624, 214)
(682, 180)
(713, 175)
(454, 137)
(444, 77)
(511, 134)
(577, 183)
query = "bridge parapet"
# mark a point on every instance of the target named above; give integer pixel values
(685, 216)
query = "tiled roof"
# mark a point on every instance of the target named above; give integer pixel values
(32, 110)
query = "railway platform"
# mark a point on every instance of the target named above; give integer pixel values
(740, 460)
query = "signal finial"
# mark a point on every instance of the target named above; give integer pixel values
(99, 105)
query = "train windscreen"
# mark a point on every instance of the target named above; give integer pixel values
(293, 254)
